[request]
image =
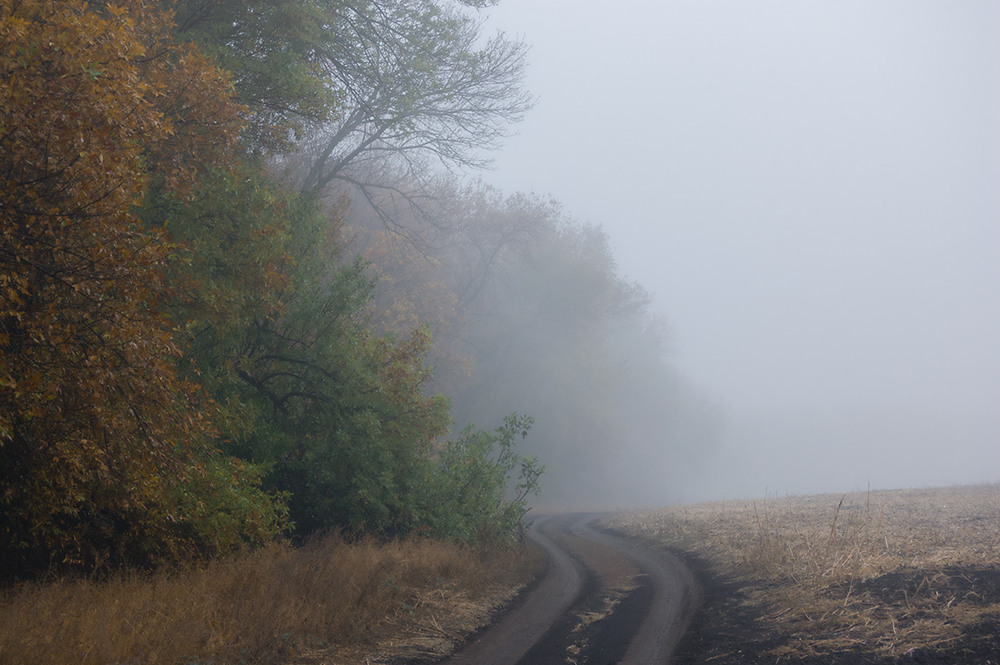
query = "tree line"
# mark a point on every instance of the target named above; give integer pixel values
(188, 362)
(244, 296)
(531, 313)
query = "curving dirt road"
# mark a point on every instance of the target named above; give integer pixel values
(604, 599)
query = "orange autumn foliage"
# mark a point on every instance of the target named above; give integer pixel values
(96, 427)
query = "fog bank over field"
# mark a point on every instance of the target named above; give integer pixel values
(813, 452)
(811, 192)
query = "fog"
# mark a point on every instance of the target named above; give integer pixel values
(811, 192)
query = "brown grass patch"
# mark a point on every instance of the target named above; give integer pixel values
(331, 602)
(886, 573)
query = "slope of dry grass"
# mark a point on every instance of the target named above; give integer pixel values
(331, 602)
(886, 574)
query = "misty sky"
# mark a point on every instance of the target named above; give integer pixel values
(811, 191)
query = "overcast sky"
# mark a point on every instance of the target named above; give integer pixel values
(811, 191)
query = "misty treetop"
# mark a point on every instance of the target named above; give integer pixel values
(365, 94)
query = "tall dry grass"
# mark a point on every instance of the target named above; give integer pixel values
(888, 571)
(333, 600)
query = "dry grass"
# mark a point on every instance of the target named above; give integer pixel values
(330, 602)
(882, 572)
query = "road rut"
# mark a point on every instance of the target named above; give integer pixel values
(605, 598)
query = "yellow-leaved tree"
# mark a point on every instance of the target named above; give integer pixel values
(101, 442)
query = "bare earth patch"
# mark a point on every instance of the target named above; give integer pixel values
(907, 576)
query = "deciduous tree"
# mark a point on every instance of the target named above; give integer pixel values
(420, 81)
(346, 427)
(272, 51)
(99, 436)
(481, 485)
(371, 92)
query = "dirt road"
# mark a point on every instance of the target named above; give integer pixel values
(604, 599)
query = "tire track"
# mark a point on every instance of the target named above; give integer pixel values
(675, 598)
(605, 598)
(513, 636)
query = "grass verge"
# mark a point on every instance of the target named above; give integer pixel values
(333, 601)
(889, 576)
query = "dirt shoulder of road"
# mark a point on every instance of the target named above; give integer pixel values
(887, 578)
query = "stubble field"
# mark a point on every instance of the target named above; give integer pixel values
(905, 576)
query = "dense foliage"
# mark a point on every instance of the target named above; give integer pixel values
(237, 302)
(470, 479)
(188, 363)
(102, 441)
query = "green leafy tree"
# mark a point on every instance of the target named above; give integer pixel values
(272, 51)
(419, 81)
(276, 327)
(367, 91)
(481, 485)
(348, 428)
(229, 270)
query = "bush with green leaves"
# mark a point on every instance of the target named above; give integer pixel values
(473, 500)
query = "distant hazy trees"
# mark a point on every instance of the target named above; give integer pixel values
(531, 314)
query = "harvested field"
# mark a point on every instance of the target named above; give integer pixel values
(869, 577)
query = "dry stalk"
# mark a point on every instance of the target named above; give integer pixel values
(333, 601)
(881, 569)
